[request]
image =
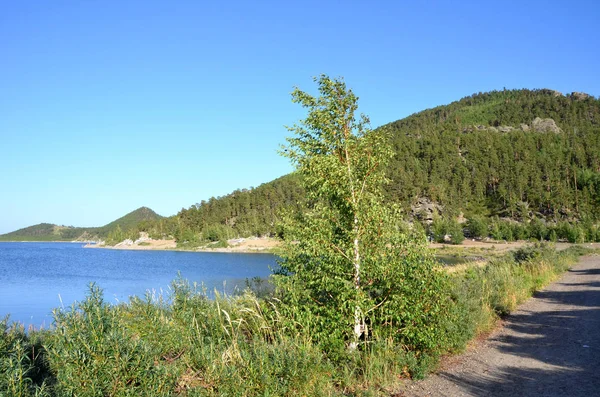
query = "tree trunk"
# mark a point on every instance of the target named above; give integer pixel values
(359, 327)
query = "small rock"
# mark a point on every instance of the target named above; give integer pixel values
(505, 128)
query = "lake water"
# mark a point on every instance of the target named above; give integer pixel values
(37, 277)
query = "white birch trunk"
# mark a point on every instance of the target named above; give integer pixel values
(358, 322)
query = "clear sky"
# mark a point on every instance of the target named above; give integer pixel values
(106, 106)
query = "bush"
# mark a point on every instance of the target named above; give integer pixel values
(92, 352)
(216, 233)
(23, 370)
(538, 230)
(520, 231)
(507, 231)
(456, 232)
(477, 227)
(575, 234)
(495, 231)
(440, 228)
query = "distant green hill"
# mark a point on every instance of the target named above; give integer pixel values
(129, 221)
(41, 232)
(51, 232)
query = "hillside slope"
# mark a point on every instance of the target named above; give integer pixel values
(522, 154)
(518, 153)
(40, 232)
(51, 232)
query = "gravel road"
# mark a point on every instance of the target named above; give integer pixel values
(550, 346)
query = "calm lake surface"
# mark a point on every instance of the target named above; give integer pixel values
(37, 277)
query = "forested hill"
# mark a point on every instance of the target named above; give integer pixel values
(518, 153)
(522, 154)
(51, 232)
(247, 212)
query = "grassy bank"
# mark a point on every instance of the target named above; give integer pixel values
(186, 344)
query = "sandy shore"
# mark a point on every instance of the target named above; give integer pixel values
(503, 246)
(240, 245)
(267, 244)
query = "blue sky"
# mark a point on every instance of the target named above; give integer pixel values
(109, 106)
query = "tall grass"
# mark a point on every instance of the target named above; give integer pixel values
(486, 293)
(186, 344)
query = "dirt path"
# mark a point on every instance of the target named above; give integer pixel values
(549, 347)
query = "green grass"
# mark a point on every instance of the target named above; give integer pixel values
(186, 344)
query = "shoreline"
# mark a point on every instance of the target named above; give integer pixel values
(268, 245)
(252, 245)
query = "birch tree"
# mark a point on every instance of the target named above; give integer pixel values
(349, 270)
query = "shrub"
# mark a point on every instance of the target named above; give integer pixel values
(23, 370)
(92, 352)
(506, 231)
(520, 231)
(477, 227)
(538, 230)
(440, 228)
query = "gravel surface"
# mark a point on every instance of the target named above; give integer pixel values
(550, 346)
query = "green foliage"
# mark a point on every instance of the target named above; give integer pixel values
(186, 344)
(245, 212)
(538, 230)
(349, 272)
(477, 227)
(452, 155)
(441, 228)
(217, 233)
(92, 351)
(128, 222)
(529, 253)
(219, 244)
(23, 371)
(115, 236)
(438, 229)
(571, 232)
(40, 232)
(520, 231)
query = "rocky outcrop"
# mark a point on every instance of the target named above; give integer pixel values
(580, 96)
(545, 125)
(537, 125)
(424, 209)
